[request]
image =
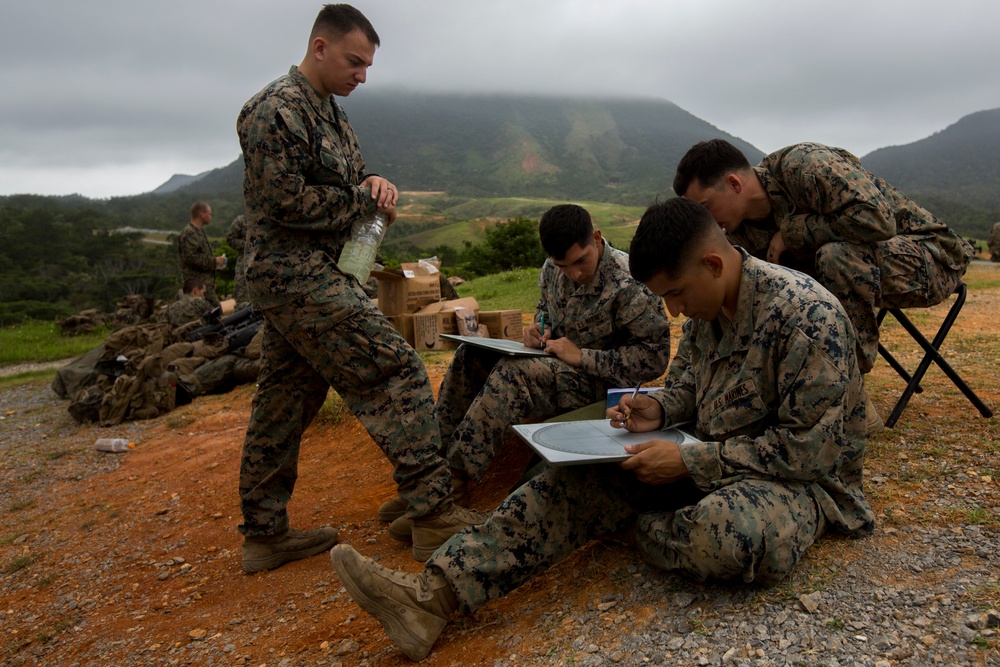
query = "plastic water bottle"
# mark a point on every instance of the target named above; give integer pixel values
(358, 255)
(115, 445)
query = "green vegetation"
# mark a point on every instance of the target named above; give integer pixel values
(982, 275)
(41, 341)
(504, 291)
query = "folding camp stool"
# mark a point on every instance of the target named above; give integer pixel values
(931, 354)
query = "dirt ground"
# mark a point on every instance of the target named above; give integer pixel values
(135, 558)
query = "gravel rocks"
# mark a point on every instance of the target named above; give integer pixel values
(924, 590)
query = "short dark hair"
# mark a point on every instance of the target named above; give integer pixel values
(193, 283)
(198, 208)
(564, 226)
(665, 237)
(335, 21)
(708, 162)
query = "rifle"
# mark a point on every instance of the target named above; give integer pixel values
(237, 330)
(216, 324)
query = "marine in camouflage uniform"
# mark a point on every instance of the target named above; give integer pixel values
(304, 184)
(859, 236)
(236, 238)
(187, 308)
(994, 243)
(622, 332)
(196, 259)
(767, 373)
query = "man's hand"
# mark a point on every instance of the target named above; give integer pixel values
(566, 350)
(655, 462)
(532, 336)
(644, 414)
(384, 193)
(776, 248)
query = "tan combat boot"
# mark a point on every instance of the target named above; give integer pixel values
(413, 608)
(270, 551)
(401, 527)
(873, 422)
(433, 530)
(392, 509)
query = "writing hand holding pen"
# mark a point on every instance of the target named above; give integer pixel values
(535, 335)
(637, 413)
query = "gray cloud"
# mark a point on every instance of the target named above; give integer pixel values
(111, 97)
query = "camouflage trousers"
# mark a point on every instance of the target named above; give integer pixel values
(753, 529)
(240, 293)
(897, 273)
(484, 392)
(337, 338)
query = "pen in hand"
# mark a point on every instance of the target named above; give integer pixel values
(543, 326)
(635, 392)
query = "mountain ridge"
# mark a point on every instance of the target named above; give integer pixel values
(616, 150)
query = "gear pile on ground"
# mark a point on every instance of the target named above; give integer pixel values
(146, 369)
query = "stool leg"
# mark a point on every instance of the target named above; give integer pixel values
(931, 354)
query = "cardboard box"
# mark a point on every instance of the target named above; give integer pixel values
(503, 323)
(438, 318)
(405, 290)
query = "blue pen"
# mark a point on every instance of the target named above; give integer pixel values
(543, 324)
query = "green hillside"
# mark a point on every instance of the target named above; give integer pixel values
(955, 172)
(425, 219)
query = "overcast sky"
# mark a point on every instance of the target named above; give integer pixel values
(112, 97)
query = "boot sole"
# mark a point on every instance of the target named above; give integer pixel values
(277, 560)
(396, 628)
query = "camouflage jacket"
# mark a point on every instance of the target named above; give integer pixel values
(187, 309)
(994, 241)
(775, 393)
(301, 185)
(195, 251)
(237, 235)
(619, 325)
(821, 194)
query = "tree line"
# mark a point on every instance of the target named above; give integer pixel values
(59, 256)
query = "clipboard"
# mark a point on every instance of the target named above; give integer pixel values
(589, 441)
(501, 345)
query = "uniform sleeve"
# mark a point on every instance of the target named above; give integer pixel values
(543, 305)
(832, 198)
(804, 442)
(236, 237)
(278, 156)
(194, 255)
(646, 353)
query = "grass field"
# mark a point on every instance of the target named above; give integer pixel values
(41, 341)
(462, 219)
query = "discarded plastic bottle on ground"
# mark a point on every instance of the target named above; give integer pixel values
(358, 255)
(113, 445)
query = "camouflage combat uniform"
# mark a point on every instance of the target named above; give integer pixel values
(302, 192)
(624, 336)
(197, 260)
(186, 309)
(775, 397)
(859, 236)
(994, 243)
(236, 238)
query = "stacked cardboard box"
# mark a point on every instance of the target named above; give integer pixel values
(503, 323)
(404, 290)
(410, 299)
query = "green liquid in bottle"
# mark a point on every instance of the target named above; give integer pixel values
(356, 259)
